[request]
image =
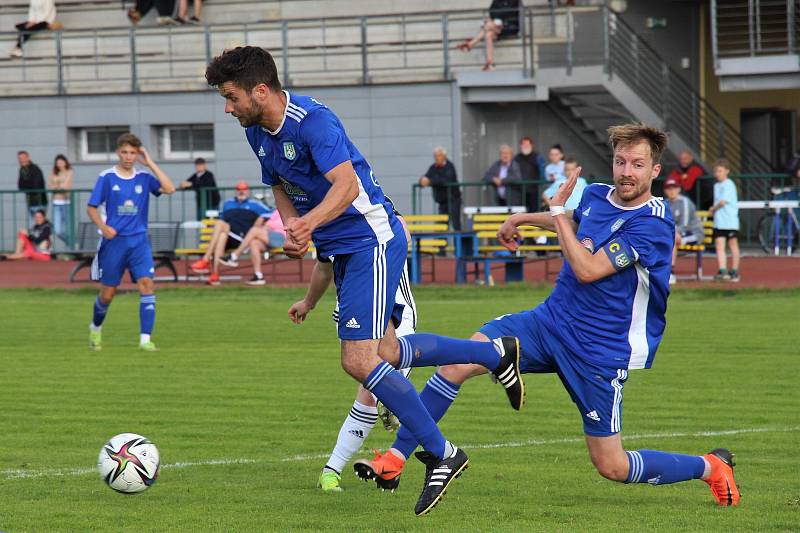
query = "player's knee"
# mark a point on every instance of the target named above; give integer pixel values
(458, 374)
(611, 468)
(146, 285)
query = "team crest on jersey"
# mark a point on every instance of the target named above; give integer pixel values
(588, 244)
(622, 260)
(137, 189)
(618, 224)
(288, 151)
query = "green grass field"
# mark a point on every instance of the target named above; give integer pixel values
(245, 406)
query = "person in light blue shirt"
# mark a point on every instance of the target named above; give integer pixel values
(726, 221)
(570, 164)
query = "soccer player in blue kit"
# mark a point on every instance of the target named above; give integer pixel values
(324, 189)
(125, 191)
(605, 316)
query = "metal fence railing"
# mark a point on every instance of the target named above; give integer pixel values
(185, 206)
(749, 28)
(750, 187)
(343, 50)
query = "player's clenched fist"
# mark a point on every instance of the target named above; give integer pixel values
(294, 250)
(298, 230)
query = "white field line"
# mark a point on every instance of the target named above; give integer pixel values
(27, 474)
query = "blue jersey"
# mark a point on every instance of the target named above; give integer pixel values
(310, 142)
(126, 199)
(617, 321)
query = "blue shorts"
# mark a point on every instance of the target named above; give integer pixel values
(596, 390)
(114, 256)
(366, 285)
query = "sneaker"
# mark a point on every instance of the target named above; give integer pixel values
(95, 340)
(134, 16)
(200, 266)
(439, 473)
(508, 373)
(180, 20)
(257, 280)
(390, 422)
(330, 482)
(148, 347)
(194, 20)
(734, 276)
(213, 279)
(15, 52)
(673, 279)
(723, 486)
(384, 469)
(166, 21)
(722, 275)
(229, 260)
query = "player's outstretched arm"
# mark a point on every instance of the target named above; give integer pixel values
(508, 232)
(167, 187)
(588, 267)
(320, 280)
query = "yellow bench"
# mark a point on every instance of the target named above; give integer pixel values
(699, 248)
(431, 246)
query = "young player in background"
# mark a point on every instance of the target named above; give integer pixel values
(125, 192)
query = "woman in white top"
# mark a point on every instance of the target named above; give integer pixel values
(60, 181)
(41, 14)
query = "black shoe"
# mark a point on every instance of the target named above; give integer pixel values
(256, 280)
(508, 373)
(228, 260)
(439, 473)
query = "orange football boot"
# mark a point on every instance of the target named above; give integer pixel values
(385, 469)
(721, 481)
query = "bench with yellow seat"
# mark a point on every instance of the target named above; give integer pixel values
(429, 245)
(708, 240)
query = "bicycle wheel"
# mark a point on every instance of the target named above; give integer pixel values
(765, 230)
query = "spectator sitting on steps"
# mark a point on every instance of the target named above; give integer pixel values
(41, 16)
(502, 22)
(165, 8)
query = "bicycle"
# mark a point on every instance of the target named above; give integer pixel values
(781, 227)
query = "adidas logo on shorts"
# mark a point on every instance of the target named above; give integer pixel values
(352, 324)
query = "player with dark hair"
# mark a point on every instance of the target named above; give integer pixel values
(606, 316)
(125, 191)
(325, 189)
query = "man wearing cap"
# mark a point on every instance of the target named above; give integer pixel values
(688, 228)
(239, 214)
(203, 182)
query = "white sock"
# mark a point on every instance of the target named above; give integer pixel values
(259, 275)
(94, 328)
(143, 338)
(449, 449)
(354, 431)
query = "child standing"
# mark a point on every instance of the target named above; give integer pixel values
(726, 221)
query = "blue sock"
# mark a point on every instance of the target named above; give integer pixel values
(663, 468)
(398, 394)
(147, 313)
(99, 313)
(427, 349)
(437, 396)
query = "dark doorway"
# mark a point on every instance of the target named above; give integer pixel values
(772, 132)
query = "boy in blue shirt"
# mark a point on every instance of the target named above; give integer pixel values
(125, 191)
(726, 221)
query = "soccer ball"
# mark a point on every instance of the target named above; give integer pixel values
(128, 463)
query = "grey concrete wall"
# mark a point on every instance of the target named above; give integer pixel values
(395, 127)
(681, 37)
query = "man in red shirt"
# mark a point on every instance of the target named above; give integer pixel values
(686, 173)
